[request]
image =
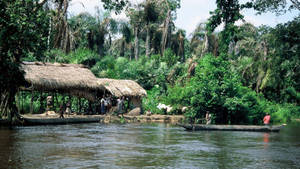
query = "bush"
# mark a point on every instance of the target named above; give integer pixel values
(217, 89)
(151, 102)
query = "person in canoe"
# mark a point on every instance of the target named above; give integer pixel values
(267, 119)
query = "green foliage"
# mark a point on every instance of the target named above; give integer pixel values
(169, 57)
(116, 5)
(79, 56)
(278, 6)
(217, 89)
(227, 12)
(147, 72)
(151, 102)
(23, 32)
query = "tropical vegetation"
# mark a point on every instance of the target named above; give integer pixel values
(237, 74)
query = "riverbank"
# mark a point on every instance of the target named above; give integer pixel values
(296, 120)
(42, 119)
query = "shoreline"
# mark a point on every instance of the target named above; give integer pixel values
(42, 119)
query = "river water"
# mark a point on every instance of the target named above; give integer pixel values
(146, 146)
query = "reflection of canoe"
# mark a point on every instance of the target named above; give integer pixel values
(195, 127)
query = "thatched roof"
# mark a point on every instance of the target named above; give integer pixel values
(48, 76)
(76, 80)
(119, 88)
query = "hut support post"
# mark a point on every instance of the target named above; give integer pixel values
(31, 102)
(90, 108)
(56, 100)
(23, 100)
(4, 100)
(70, 101)
(18, 97)
(41, 103)
(79, 105)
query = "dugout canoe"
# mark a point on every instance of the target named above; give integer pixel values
(66, 120)
(257, 128)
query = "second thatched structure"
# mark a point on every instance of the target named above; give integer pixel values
(127, 88)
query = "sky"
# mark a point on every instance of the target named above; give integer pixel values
(191, 13)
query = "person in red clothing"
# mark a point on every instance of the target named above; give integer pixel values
(267, 119)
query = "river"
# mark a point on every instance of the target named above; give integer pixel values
(146, 146)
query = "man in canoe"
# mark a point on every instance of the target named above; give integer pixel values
(267, 119)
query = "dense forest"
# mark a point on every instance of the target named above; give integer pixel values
(237, 74)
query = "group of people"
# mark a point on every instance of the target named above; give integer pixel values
(106, 104)
(107, 101)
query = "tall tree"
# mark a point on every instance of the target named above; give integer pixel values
(127, 37)
(137, 22)
(63, 35)
(177, 44)
(150, 16)
(168, 13)
(227, 12)
(23, 30)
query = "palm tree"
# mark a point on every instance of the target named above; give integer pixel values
(127, 37)
(202, 42)
(150, 16)
(137, 22)
(63, 36)
(177, 44)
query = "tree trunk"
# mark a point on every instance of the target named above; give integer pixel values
(165, 32)
(131, 52)
(148, 41)
(122, 51)
(136, 43)
(206, 45)
(100, 49)
(181, 48)
(49, 34)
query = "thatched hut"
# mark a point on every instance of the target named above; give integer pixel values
(79, 81)
(127, 88)
(73, 79)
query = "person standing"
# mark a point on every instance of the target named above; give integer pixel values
(267, 119)
(208, 117)
(61, 111)
(120, 103)
(103, 111)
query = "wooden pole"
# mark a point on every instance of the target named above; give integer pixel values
(90, 107)
(23, 100)
(80, 105)
(41, 103)
(18, 101)
(56, 100)
(78, 111)
(31, 102)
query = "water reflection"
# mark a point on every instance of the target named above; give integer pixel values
(266, 140)
(145, 146)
